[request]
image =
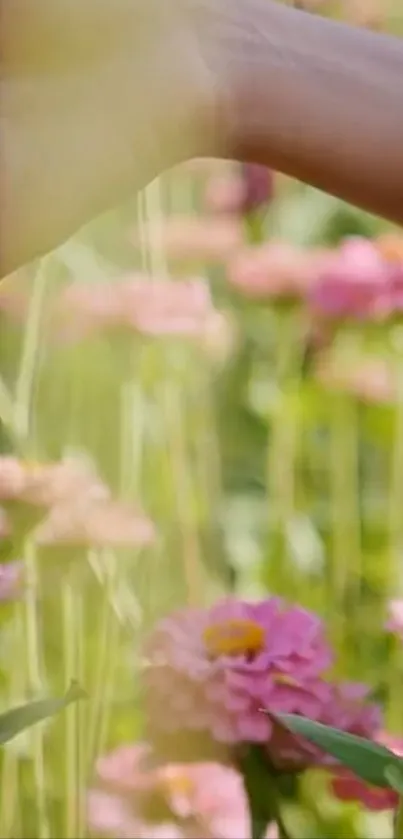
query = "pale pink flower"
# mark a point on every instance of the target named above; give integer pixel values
(243, 191)
(371, 380)
(163, 308)
(191, 800)
(349, 787)
(275, 270)
(258, 183)
(395, 620)
(45, 484)
(211, 672)
(224, 193)
(356, 285)
(194, 240)
(11, 580)
(151, 307)
(92, 522)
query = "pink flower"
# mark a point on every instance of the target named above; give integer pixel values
(355, 285)
(11, 580)
(150, 307)
(224, 194)
(258, 182)
(158, 308)
(211, 672)
(243, 191)
(194, 240)
(369, 379)
(92, 522)
(45, 484)
(395, 621)
(275, 270)
(348, 787)
(137, 797)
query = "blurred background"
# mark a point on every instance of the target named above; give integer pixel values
(200, 394)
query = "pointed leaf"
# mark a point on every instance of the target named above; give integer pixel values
(394, 776)
(366, 759)
(14, 721)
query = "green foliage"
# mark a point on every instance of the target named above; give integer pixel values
(370, 761)
(18, 719)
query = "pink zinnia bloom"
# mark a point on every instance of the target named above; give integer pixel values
(355, 285)
(348, 787)
(174, 800)
(275, 271)
(211, 672)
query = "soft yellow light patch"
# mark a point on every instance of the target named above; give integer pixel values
(283, 679)
(234, 637)
(178, 783)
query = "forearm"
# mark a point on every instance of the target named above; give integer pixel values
(320, 101)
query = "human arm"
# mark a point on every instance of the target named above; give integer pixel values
(97, 98)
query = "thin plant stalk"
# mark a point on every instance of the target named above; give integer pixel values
(30, 351)
(345, 564)
(131, 444)
(10, 787)
(75, 769)
(395, 577)
(398, 825)
(107, 653)
(175, 414)
(284, 441)
(35, 680)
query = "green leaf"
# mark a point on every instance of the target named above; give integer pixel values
(18, 719)
(366, 759)
(394, 776)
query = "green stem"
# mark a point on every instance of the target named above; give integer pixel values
(33, 651)
(30, 350)
(393, 572)
(398, 825)
(74, 722)
(283, 446)
(345, 569)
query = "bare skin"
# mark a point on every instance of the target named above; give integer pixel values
(97, 98)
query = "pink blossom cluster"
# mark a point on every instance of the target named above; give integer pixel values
(152, 307)
(210, 674)
(66, 503)
(359, 284)
(133, 795)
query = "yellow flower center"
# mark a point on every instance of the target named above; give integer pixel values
(234, 637)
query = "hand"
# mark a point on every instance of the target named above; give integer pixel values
(96, 98)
